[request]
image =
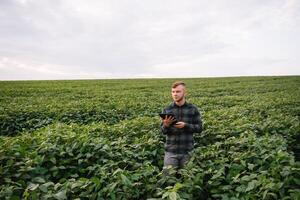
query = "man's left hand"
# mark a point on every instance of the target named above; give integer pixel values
(179, 125)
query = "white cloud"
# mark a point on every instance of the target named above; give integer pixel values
(107, 39)
(35, 70)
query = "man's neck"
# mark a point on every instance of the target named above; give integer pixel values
(180, 103)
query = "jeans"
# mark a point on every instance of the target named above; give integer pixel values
(175, 160)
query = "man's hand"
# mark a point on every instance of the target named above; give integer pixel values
(179, 125)
(168, 121)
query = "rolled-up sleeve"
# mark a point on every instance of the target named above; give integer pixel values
(164, 129)
(167, 130)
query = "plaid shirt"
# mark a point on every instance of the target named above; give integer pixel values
(181, 140)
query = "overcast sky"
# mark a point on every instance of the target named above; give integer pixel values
(73, 39)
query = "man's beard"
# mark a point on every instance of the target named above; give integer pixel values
(180, 99)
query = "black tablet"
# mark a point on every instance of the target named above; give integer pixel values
(164, 115)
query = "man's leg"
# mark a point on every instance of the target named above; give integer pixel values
(170, 161)
(184, 158)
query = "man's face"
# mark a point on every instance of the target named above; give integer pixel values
(178, 93)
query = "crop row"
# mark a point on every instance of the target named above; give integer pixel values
(124, 161)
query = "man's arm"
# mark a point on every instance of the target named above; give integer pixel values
(167, 130)
(166, 126)
(196, 126)
(164, 129)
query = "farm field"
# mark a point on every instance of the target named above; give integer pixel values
(100, 139)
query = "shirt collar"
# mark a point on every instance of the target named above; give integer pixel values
(185, 104)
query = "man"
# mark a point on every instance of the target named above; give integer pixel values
(179, 136)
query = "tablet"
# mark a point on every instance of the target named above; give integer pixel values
(164, 115)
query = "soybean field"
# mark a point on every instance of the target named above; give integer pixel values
(101, 139)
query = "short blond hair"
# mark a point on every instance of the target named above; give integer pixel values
(177, 83)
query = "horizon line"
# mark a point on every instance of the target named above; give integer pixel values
(141, 78)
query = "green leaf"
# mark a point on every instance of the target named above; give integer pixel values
(241, 189)
(226, 187)
(76, 184)
(251, 185)
(112, 187)
(112, 196)
(53, 160)
(265, 194)
(38, 180)
(177, 187)
(43, 188)
(251, 166)
(297, 181)
(54, 168)
(32, 186)
(15, 198)
(125, 180)
(117, 171)
(61, 195)
(96, 180)
(246, 178)
(165, 195)
(173, 195)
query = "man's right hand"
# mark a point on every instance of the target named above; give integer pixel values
(168, 121)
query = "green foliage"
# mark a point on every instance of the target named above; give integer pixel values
(100, 139)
